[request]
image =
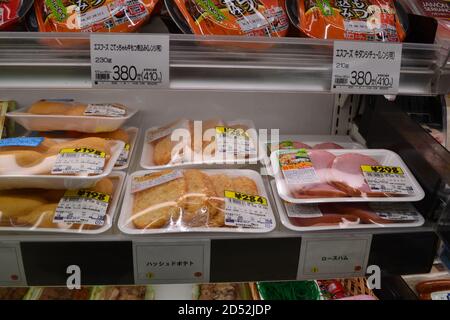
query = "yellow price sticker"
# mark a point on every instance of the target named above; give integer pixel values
(382, 169)
(87, 194)
(245, 197)
(127, 147)
(101, 154)
(232, 131)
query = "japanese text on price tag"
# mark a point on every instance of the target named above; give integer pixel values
(366, 67)
(130, 61)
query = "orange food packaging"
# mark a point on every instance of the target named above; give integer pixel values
(92, 15)
(230, 17)
(367, 20)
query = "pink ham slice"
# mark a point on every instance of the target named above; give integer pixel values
(327, 145)
(322, 161)
(347, 175)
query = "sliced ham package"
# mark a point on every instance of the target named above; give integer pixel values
(341, 175)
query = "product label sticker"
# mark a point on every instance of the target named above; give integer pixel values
(123, 157)
(436, 8)
(82, 206)
(129, 61)
(297, 210)
(387, 179)
(105, 110)
(234, 141)
(151, 180)
(366, 67)
(89, 18)
(247, 211)
(79, 161)
(297, 167)
(21, 142)
(440, 295)
(395, 211)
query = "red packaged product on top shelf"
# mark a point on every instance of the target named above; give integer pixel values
(12, 11)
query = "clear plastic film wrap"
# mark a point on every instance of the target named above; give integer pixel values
(89, 210)
(340, 175)
(191, 142)
(196, 200)
(51, 115)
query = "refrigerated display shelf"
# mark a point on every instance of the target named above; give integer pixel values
(36, 60)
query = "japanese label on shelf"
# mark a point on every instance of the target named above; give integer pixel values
(395, 211)
(123, 157)
(440, 295)
(234, 141)
(387, 179)
(297, 167)
(366, 67)
(130, 61)
(297, 210)
(149, 181)
(79, 160)
(106, 110)
(246, 211)
(82, 206)
(21, 142)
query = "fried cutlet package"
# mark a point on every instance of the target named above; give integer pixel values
(368, 20)
(195, 200)
(40, 162)
(185, 143)
(66, 114)
(230, 17)
(88, 210)
(92, 15)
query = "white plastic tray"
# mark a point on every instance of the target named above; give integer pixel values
(118, 182)
(61, 181)
(133, 134)
(287, 223)
(126, 225)
(384, 157)
(37, 122)
(147, 154)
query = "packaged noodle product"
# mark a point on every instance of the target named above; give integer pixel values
(88, 210)
(92, 15)
(222, 291)
(12, 11)
(230, 17)
(195, 200)
(373, 20)
(313, 176)
(186, 142)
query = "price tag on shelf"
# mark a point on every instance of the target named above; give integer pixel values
(366, 67)
(169, 261)
(130, 61)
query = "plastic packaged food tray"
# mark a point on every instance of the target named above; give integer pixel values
(118, 179)
(383, 157)
(125, 223)
(61, 181)
(37, 122)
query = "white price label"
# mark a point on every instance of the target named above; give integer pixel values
(106, 110)
(380, 179)
(151, 180)
(247, 211)
(395, 211)
(366, 67)
(171, 261)
(297, 210)
(234, 142)
(79, 161)
(123, 157)
(130, 61)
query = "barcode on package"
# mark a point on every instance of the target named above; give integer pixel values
(244, 214)
(389, 183)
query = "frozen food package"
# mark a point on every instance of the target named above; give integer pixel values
(341, 175)
(58, 293)
(222, 291)
(127, 135)
(348, 215)
(39, 162)
(122, 293)
(192, 200)
(367, 20)
(185, 143)
(84, 211)
(230, 17)
(69, 115)
(12, 12)
(92, 15)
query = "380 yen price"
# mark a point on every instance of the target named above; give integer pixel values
(130, 73)
(366, 78)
